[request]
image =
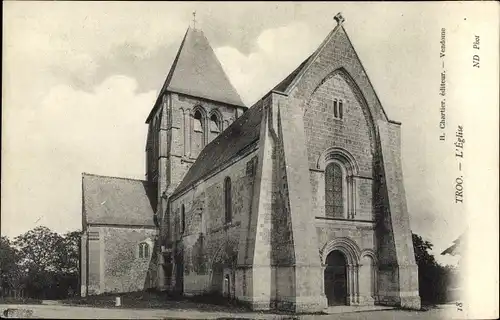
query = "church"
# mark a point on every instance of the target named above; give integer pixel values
(296, 203)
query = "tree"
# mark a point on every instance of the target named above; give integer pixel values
(36, 248)
(422, 248)
(50, 262)
(434, 279)
(8, 256)
(68, 252)
(10, 273)
(68, 258)
(38, 260)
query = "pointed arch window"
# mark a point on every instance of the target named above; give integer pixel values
(228, 200)
(199, 134)
(198, 121)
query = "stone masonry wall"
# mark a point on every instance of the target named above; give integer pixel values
(362, 233)
(207, 239)
(177, 122)
(124, 271)
(363, 198)
(323, 131)
(353, 133)
(185, 104)
(398, 271)
(281, 228)
(304, 293)
(338, 54)
(177, 139)
(177, 144)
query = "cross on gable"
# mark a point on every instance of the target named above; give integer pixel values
(339, 18)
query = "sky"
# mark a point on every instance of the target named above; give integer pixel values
(79, 80)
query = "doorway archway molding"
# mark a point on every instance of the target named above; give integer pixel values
(352, 254)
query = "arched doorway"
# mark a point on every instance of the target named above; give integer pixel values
(218, 278)
(336, 278)
(222, 271)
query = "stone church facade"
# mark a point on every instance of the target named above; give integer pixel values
(295, 203)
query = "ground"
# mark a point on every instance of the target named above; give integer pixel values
(147, 306)
(77, 312)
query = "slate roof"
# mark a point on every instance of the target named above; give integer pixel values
(197, 72)
(112, 200)
(240, 134)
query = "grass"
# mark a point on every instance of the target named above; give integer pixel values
(157, 300)
(161, 300)
(10, 300)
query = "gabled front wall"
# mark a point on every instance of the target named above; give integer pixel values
(336, 73)
(208, 247)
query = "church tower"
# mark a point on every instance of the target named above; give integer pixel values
(195, 104)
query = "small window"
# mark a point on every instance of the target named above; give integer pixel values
(214, 123)
(183, 219)
(341, 111)
(227, 200)
(143, 250)
(338, 109)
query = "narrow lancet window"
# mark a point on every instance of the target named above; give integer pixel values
(198, 122)
(214, 124)
(341, 109)
(228, 200)
(183, 219)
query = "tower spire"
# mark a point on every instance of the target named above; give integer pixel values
(194, 19)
